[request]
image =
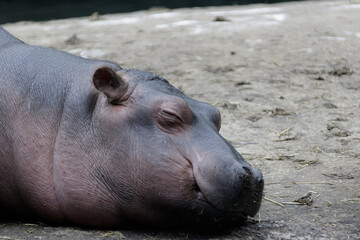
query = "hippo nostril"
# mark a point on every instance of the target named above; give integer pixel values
(261, 181)
(246, 177)
(248, 171)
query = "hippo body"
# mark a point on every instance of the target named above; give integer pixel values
(89, 143)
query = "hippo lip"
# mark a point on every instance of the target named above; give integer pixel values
(204, 201)
(201, 197)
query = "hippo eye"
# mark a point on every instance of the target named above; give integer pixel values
(169, 119)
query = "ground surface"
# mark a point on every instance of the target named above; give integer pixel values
(286, 78)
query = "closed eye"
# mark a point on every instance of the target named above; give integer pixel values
(168, 119)
(170, 115)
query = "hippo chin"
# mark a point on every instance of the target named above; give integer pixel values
(86, 142)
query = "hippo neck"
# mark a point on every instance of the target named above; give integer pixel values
(44, 84)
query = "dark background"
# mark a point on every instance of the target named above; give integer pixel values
(20, 10)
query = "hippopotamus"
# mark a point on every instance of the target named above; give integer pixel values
(88, 143)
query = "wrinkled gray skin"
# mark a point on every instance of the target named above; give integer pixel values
(90, 143)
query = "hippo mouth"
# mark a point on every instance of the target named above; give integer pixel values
(209, 210)
(215, 211)
(234, 198)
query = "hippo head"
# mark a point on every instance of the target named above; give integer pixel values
(163, 159)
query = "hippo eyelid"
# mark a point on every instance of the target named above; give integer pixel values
(177, 107)
(170, 114)
(169, 122)
(173, 115)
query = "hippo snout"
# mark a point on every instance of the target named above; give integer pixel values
(249, 187)
(231, 186)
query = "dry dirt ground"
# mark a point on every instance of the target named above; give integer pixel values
(286, 78)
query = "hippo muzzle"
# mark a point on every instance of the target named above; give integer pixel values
(225, 181)
(229, 185)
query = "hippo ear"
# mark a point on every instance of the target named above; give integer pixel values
(111, 84)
